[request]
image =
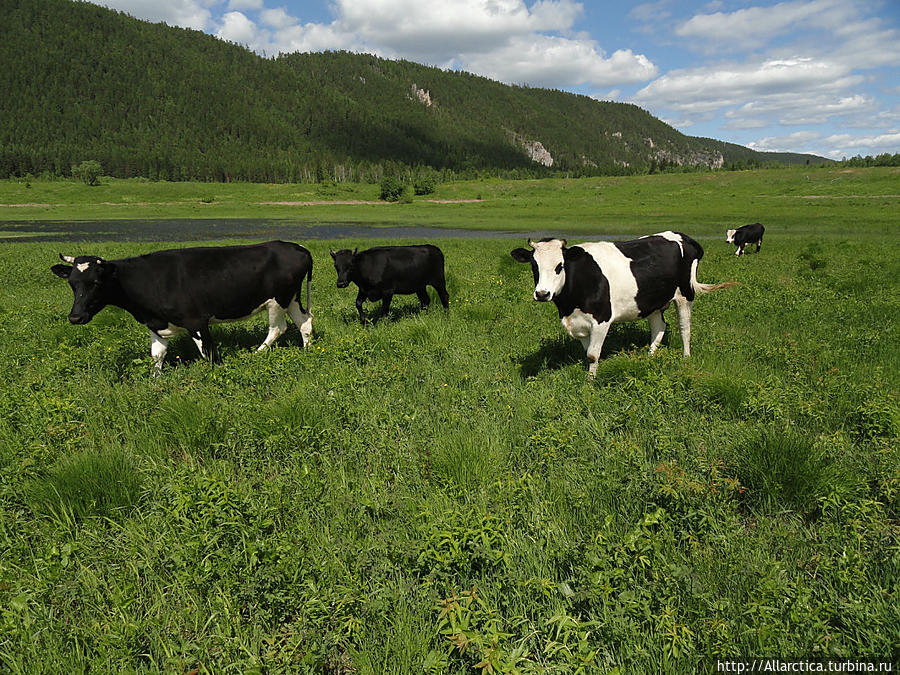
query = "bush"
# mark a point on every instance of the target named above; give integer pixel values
(425, 185)
(88, 171)
(391, 189)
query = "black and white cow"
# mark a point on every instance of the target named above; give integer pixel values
(599, 283)
(746, 234)
(385, 271)
(185, 290)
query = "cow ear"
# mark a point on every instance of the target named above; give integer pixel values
(355, 250)
(563, 243)
(332, 252)
(67, 258)
(62, 271)
(521, 255)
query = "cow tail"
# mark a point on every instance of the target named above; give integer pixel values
(308, 286)
(706, 288)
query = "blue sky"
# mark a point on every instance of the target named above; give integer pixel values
(817, 76)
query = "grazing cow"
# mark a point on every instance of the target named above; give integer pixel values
(746, 234)
(384, 271)
(187, 289)
(596, 284)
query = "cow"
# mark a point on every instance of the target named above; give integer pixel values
(746, 234)
(385, 271)
(185, 290)
(599, 283)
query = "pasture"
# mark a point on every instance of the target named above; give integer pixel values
(447, 492)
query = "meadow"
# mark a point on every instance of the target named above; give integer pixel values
(446, 492)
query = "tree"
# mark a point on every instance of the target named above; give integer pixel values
(88, 171)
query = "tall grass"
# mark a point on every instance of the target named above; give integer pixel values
(90, 483)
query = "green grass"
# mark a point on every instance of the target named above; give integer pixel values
(806, 199)
(443, 492)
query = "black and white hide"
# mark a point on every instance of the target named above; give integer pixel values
(744, 235)
(596, 284)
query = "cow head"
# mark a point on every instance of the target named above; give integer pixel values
(729, 236)
(547, 265)
(343, 264)
(89, 277)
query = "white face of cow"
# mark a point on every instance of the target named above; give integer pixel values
(547, 266)
(729, 236)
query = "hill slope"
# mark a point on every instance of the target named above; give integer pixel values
(85, 82)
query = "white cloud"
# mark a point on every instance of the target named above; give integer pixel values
(834, 145)
(315, 37)
(502, 39)
(889, 142)
(754, 27)
(714, 87)
(559, 62)
(277, 18)
(245, 4)
(184, 13)
(236, 27)
(798, 141)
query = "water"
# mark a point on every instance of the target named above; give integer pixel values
(194, 229)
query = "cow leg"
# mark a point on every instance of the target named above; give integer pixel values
(683, 305)
(441, 289)
(158, 347)
(360, 298)
(423, 297)
(203, 339)
(386, 303)
(758, 244)
(303, 320)
(740, 250)
(657, 330)
(598, 336)
(277, 325)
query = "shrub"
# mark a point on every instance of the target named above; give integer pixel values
(425, 185)
(391, 189)
(88, 171)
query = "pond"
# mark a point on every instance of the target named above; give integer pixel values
(197, 229)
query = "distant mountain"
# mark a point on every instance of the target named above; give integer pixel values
(83, 82)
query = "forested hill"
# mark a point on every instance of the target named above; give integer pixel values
(80, 82)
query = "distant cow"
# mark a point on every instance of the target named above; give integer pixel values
(596, 284)
(187, 289)
(746, 234)
(384, 271)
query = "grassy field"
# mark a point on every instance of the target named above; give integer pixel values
(446, 492)
(806, 200)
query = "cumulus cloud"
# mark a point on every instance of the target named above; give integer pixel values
(185, 13)
(236, 27)
(277, 18)
(559, 62)
(889, 142)
(502, 39)
(754, 27)
(714, 87)
(834, 145)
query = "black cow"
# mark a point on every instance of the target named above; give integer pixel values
(385, 271)
(746, 234)
(596, 284)
(187, 289)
